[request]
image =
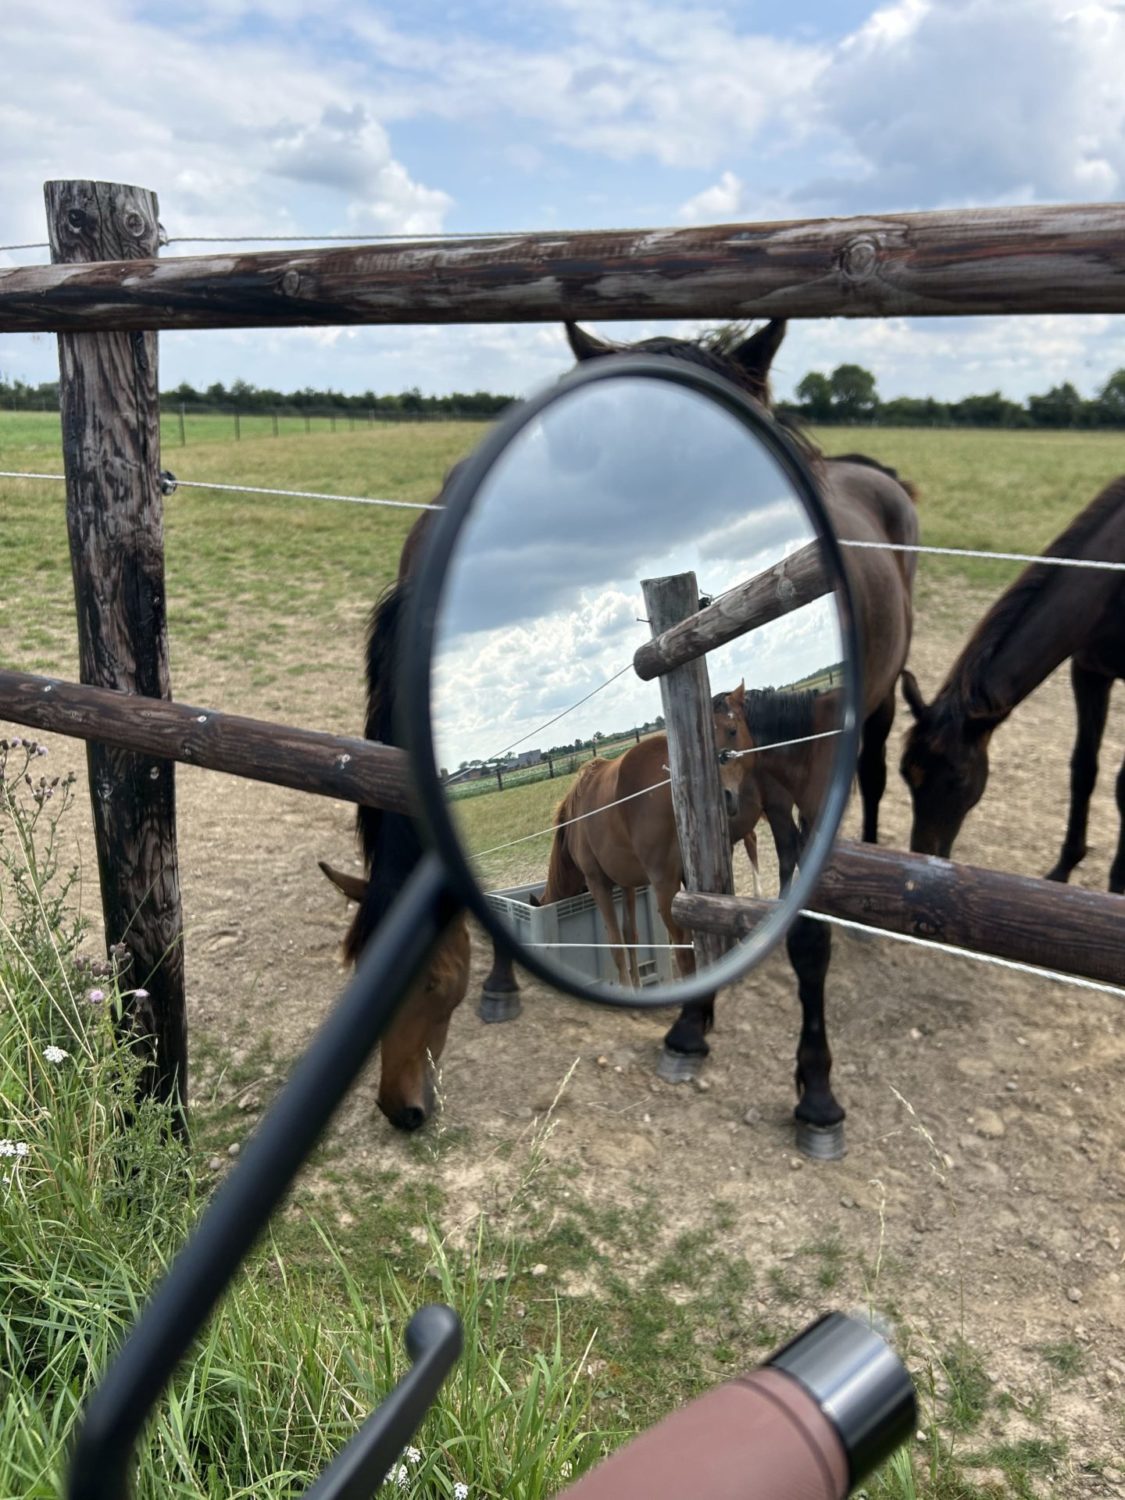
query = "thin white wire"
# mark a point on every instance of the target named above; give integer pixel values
(36, 245)
(981, 958)
(563, 715)
(806, 739)
(1023, 557)
(257, 489)
(480, 854)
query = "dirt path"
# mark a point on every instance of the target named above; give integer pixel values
(985, 1171)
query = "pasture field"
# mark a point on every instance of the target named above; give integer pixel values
(666, 1236)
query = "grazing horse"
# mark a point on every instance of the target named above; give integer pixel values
(1049, 614)
(632, 842)
(866, 503)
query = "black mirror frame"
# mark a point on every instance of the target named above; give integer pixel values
(416, 664)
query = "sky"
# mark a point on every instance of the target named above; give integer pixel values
(303, 117)
(542, 605)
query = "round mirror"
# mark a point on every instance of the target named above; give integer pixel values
(634, 690)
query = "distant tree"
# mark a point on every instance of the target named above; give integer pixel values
(1111, 401)
(1062, 406)
(815, 395)
(993, 410)
(854, 397)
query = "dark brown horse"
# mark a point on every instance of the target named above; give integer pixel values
(866, 503)
(631, 841)
(1049, 614)
(391, 848)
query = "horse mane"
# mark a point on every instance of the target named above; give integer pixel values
(774, 715)
(389, 841)
(965, 693)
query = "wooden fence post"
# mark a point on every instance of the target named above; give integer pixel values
(697, 794)
(108, 397)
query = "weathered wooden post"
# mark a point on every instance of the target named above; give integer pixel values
(697, 794)
(108, 397)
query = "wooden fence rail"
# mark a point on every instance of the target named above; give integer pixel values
(1044, 259)
(1009, 916)
(329, 765)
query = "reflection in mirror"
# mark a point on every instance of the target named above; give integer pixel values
(553, 749)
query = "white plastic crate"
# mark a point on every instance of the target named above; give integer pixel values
(577, 920)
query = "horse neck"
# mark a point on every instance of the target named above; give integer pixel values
(1046, 616)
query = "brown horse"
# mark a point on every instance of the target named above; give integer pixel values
(1049, 614)
(866, 502)
(632, 840)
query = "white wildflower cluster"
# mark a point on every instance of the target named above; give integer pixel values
(400, 1476)
(55, 1054)
(13, 1148)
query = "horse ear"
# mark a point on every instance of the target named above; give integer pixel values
(738, 697)
(913, 695)
(756, 353)
(353, 886)
(585, 346)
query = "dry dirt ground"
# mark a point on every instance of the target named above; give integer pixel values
(984, 1164)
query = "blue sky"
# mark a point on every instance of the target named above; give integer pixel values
(301, 116)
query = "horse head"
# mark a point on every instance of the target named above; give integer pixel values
(415, 1038)
(732, 734)
(746, 363)
(945, 765)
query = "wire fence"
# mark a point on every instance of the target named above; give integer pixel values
(540, 772)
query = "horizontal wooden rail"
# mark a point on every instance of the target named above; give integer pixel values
(1043, 259)
(330, 765)
(1009, 916)
(796, 580)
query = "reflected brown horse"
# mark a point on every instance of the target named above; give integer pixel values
(616, 827)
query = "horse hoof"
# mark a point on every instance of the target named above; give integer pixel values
(679, 1067)
(821, 1142)
(499, 1005)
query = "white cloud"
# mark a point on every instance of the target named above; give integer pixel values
(977, 101)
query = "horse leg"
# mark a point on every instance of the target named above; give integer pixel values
(602, 892)
(1117, 869)
(750, 844)
(1091, 701)
(632, 938)
(500, 993)
(873, 765)
(787, 842)
(685, 1045)
(820, 1129)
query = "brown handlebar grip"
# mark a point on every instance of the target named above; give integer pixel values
(762, 1437)
(819, 1416)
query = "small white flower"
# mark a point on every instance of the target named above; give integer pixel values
(402, 1476)
(7, 1147)
(565, 1468)
(460, 1491)
(413, 1455)
(22, 1148)
(54, 1054)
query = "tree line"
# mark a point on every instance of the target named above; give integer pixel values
(16, 395)
(848, 395)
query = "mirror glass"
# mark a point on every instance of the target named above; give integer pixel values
(554, 752)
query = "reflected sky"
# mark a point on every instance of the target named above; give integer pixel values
(616, 482)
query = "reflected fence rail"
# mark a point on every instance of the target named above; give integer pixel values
(108, 292)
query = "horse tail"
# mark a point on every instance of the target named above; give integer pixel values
(564, 878)
(390, 842)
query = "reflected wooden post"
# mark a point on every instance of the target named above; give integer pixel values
(697, 794)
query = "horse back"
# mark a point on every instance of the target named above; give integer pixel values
(867, 503)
